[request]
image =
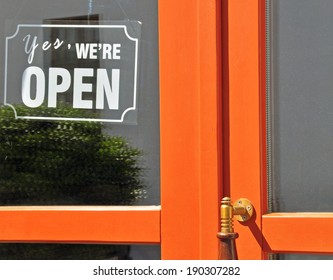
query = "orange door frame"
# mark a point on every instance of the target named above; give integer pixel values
(190, 59)
(241, 107)
(244, 108)
(190, 99)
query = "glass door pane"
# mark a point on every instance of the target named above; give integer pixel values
(79, 115)
(299, 99)
(80, 125)
(303, 257)
(299, 105)
(35, 251)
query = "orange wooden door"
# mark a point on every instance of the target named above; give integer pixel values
(186, 222)
(245, 172)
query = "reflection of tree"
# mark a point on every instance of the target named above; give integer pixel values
(63, 252)
(65, 162)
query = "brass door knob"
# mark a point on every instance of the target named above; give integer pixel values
(242, 210)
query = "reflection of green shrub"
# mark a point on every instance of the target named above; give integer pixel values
(63, 252)
(64, 162)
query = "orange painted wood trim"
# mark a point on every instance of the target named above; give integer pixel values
(190, 111)
(88, 224)
(210, 59)
(243, 130)
(179, 129)
(298, 232)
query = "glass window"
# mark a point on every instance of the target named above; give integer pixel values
(300, 99)
(302, 257)
(35, 251)
(79, 114)
(80, 125)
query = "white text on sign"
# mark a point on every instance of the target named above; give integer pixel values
(60, 79)
(104, 88)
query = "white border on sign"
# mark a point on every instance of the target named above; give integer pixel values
(74, 26)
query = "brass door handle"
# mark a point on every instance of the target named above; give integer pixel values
(242, 210)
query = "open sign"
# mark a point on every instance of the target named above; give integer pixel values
(50, 65)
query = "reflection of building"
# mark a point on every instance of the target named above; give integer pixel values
(68, 59)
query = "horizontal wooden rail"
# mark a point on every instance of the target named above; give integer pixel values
(81, 224)
(298, 232)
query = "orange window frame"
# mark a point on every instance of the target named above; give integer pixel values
(186, 223)
(244, 107)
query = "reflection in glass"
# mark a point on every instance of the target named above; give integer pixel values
(79, 163)
(35, 251)
(67, 59)
(51, 162)
(302, 257)
(65, 163)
